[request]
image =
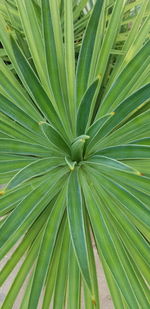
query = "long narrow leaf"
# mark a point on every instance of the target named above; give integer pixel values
(76, 225)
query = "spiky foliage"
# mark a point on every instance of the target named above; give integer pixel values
(75, 150)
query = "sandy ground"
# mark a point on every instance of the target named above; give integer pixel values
(106, 302)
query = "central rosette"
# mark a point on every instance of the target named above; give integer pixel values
(77, 148)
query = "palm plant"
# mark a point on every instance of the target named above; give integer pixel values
(75, 150)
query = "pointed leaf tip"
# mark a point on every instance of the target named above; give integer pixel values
(42, 122)
(2, 192)
(8, 28)
(112, 113)
(93, 301)
(139, 173)
(82, 140)
(70, 163)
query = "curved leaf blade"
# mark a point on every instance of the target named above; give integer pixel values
(84, 61)
(122, 152)
(46, 250)
(55, 137)
(76, 225)
(34, 169)
(84, 111)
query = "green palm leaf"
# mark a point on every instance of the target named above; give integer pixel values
(75, 151)
(76, 225)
